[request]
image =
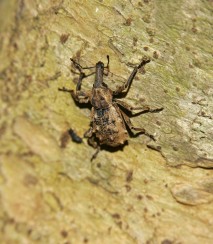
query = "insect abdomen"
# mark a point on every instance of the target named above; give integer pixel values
(109, 127)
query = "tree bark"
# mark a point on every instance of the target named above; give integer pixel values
(50, 190)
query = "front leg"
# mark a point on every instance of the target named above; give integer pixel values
(82, 74)
(132, 76)
(78, 96)
(143, 109)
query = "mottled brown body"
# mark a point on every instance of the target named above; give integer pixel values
(109, 127)
(108, 121)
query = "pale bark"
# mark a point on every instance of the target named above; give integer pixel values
(50, 191)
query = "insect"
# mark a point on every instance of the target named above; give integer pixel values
(74, 136)
(109, 123)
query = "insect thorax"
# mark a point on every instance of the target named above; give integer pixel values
(101, 98)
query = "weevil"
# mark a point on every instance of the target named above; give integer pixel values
(109, 122)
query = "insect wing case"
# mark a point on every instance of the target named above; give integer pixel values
(108, 126)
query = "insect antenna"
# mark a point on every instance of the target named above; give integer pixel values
(78, 66)
(107, 62)
(107, 67)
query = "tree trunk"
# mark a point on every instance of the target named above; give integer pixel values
(50, 190)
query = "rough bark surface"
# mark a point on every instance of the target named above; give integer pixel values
(50, 191)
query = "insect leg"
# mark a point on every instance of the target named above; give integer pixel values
(81, 77)
(95, 154)
(92, 142)
(82, 74)
(88, 133)
(79, 96)
(131, 77)
(107, 67)
(131, 127)
(78, 66)
(143, 109)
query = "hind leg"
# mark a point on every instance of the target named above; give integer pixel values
(132, 127)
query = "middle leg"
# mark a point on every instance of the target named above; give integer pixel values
(126, 85)
(79, 96)
(143, 109)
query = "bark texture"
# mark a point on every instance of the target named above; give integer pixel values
(50, 191)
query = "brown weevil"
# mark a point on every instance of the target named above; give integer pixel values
(109, 122)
